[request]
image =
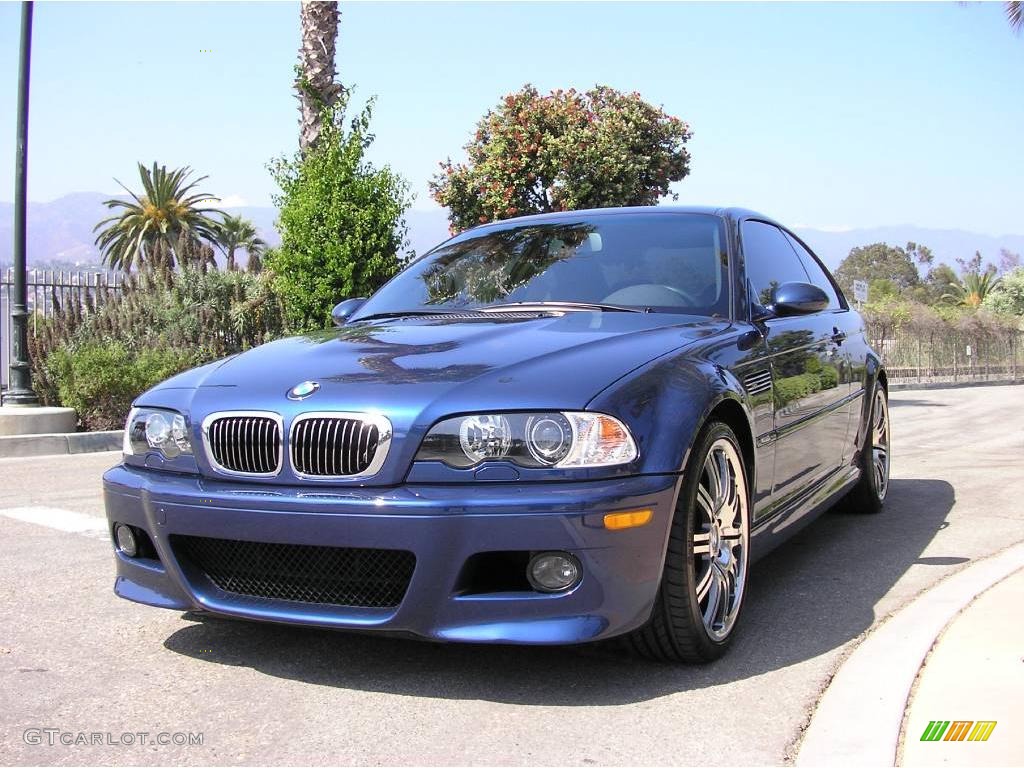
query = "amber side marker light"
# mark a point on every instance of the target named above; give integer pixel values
(617, 521)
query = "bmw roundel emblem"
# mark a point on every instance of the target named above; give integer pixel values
(303, 390)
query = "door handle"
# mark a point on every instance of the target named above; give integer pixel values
(838, 336)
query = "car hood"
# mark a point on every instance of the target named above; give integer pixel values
(418, 370)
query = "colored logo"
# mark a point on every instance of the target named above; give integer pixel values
(303, 390)
(958, 730)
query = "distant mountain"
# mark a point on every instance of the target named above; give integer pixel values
(58, 230)
(61, 230)
(947, 244)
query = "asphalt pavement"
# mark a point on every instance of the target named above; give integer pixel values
(77, 661)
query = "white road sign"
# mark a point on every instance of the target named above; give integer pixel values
(860, 290)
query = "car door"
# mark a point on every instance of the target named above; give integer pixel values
(844, 326)
(810, 406)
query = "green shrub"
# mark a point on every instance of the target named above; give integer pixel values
(100, 380)
(341, 222)
(1008, 297)
(829, 377)
(812, 382)
(791, 388)
(96, 357)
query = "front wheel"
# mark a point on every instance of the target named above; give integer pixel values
(705, 575)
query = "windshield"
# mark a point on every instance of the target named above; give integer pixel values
(660, 262)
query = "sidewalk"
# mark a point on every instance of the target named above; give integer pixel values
(955, 653)
(974, 672)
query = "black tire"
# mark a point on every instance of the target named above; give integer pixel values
(868, 495)
(676, 631)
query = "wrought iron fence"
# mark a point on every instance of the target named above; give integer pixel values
(950, 356)
(47, 290)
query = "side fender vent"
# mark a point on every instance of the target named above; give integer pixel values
(759, 382)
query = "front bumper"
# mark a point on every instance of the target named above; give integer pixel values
(442, 525)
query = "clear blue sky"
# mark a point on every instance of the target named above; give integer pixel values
(844, 115)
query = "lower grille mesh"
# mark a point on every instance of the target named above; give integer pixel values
(362, 578)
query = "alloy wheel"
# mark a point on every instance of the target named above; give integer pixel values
(880, 443)
(721, 538)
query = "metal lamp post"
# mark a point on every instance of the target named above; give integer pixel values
(20, 391)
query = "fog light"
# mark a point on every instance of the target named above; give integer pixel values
(553, 571)
(126, 541)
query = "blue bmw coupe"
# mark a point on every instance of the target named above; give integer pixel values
(552, 429)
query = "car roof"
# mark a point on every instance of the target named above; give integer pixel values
(731, 212)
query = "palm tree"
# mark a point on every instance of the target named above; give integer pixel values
(1015, 14)
(236, 232)
(315, 74)
(152, 226)
(973, 290)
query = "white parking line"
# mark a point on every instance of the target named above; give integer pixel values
(60, 520)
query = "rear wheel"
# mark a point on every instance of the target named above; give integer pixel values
(705, 575)
(868, 495)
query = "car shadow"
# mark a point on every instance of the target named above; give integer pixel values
(808, 597)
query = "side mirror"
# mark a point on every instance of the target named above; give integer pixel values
(798, 299)
(343, 311)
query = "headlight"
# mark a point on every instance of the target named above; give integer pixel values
(561, 440)
(156, 429)
(485, 437)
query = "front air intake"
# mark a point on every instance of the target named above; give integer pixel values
(343, 576)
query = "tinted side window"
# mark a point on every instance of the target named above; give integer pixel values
(770, 261)
(817, 274)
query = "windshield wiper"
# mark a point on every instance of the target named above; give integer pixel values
(403, 313)
(567, 304)
(527, 306)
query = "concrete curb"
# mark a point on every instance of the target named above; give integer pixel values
(16, 446)
(36, 420)
(860, 715)
(975, 667)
